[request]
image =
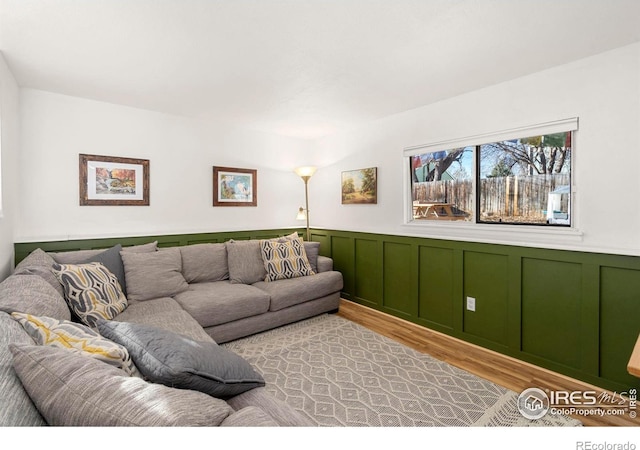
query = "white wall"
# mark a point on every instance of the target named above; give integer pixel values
(603, 91)
(9, 165)
(56, 128)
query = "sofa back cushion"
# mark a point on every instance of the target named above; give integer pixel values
(154, 274)
(80, 256)
(73, 390)
(245, 262)
(39, 263)
(204, 262)
(17, 408)
(32, 295)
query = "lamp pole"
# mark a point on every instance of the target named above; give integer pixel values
(305, 178)
(306, 173)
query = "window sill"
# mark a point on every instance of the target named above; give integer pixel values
(524, 235)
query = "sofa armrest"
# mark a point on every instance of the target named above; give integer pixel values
(325, 264)
(249, 416)
(279, 411)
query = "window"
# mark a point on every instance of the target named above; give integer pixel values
(442, 186)
(514, 177)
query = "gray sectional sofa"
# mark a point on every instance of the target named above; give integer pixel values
(198, 294)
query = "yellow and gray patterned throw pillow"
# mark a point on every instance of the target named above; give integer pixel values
(91, 291)
(283, 260)
(77, 338)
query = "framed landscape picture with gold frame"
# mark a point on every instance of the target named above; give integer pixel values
(360, 186)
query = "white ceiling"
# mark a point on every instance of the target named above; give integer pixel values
(302, 68)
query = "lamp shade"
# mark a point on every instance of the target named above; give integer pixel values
(306, 171)
(302, 214)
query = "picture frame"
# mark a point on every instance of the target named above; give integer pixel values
(235, 187)
(360, 186)
(113, 181)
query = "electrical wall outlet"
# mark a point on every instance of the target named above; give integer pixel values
(471, 303)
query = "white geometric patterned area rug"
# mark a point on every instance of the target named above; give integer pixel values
(339, 373)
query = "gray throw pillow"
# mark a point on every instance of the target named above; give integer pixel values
(175, 360)
(70, 389)
(312, 249)
(111, 260)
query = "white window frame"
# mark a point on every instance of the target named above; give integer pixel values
(486, 231)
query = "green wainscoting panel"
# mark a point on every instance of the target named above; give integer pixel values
(436, 286)
(551, 314)
(368, 282)
(397, 291)
(486, 280)
(325, 243)
(619, 321)
(342, 252)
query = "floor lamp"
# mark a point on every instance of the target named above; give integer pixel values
(303, 213)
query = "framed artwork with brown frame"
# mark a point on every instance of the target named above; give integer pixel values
(111, 180)
(235, 187)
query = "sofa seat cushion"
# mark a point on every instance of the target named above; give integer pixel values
(148, 308)
(285, 293)
(222, 301)
(73, 390)
(32, 295)
(167, 314)
(17, 408)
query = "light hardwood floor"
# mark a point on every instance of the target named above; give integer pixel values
(500, 369)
